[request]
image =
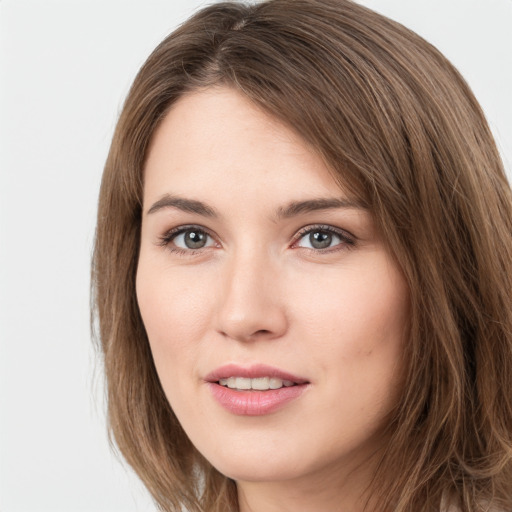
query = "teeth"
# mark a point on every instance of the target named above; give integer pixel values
(242, 383)
(260, 383)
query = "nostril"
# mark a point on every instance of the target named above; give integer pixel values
(250, 319)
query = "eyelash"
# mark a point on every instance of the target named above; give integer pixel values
(347, 240)
(169, 236)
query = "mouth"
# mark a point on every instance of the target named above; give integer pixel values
(256, 384)
(258, 377)
(255, 390)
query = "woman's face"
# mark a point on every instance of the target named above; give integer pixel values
(275, 314)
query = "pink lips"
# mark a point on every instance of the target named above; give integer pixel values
(254, 402)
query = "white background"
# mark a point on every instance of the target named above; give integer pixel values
(65, 68)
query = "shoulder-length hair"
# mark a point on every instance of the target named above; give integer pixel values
(400, 129)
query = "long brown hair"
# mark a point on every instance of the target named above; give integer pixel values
(400, 129)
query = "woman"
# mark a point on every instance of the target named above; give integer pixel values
(303, 270)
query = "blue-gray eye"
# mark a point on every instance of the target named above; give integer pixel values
(192, 238)
(319, 239)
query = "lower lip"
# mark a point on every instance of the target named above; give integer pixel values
(255, 403)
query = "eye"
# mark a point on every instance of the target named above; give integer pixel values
(187, 238)
(323, 237)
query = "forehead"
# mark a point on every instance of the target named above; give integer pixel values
(215, 144)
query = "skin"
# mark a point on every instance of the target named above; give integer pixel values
(260, 292)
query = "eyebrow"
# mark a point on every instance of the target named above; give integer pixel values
(183, 204)
(311, 205)
(284, 212)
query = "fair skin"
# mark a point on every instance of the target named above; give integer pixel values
(252, 255)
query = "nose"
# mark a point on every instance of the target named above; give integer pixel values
(250, 306)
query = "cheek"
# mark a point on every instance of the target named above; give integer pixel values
(176, 312)
(357, 321)
(364, 310)
(168, 298)
(173, 313)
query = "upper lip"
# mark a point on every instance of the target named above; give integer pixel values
(252, 372)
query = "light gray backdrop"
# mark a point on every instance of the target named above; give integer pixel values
(65, 67)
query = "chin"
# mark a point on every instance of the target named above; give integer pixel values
(271, 462)
(261, 457)
(254, 462)
(258, 471)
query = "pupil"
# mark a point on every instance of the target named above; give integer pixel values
(195, 239)
(320, 239)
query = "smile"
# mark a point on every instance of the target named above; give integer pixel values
(257, 384)
(257, 390)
